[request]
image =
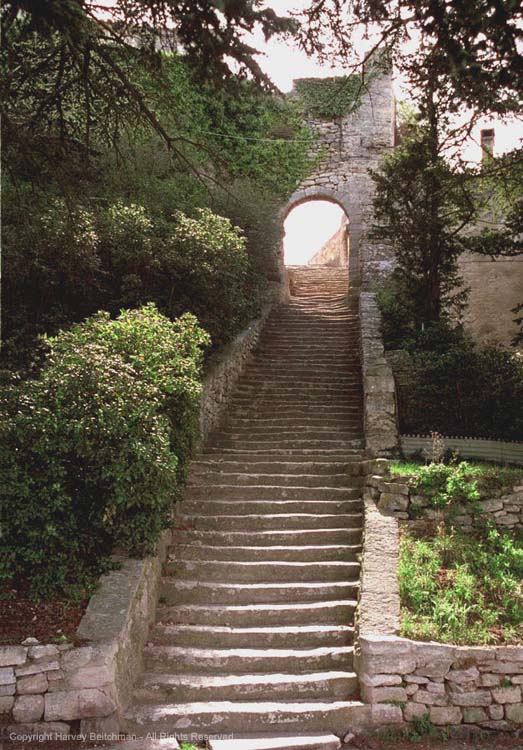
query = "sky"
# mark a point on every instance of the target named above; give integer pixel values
(308, 226)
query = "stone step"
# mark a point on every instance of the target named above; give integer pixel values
(247, 660)
(288, 443)
(264, 537)
(240, 507)
(192, 591)
(267, 411)
(272, 492)
(345, 429)
(318, 467)
(355, 450)
(278, 742)
(216, 636)
(333, 611)
(230, 717)
(283, 423)
(271, 522)
(161, 687)
(269, 571)
(296, 553)
(221, 478)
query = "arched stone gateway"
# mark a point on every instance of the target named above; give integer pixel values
(349, 147)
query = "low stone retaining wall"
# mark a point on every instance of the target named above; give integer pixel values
(470, 687)
(379, 394)
(55, 689)
(463, 688)
(394, 496)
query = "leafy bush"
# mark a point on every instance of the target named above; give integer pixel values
(460, 587)
(92, 450)
(64, 265)
(449, 487)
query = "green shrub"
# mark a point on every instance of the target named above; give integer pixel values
(449, 487)
(462, 587)
(63, 266)
(92, 450)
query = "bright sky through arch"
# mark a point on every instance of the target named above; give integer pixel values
(307, 227)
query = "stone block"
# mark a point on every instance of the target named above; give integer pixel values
(418, 679)
(78, 704)
(441, 716)
(104, 725)
(510, 653)
(11, 656)
(496, 712)
(39, 730)
(36, 683)
(475, 715)
(7, 689)
(473, 698)
(384, 713)
(28, 708)
(411, 689)
(491, 680)
(7, 676)
(383, 694)
(462, 676)
(48, 652)
(436, 687)
(514, 712)
(415, 711)
(430, 699)
(86, 677)
(507, 694)
(6, 704)
(380, 680)
(491, 506)
(37, 668)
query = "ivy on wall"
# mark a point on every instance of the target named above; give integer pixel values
(331, 98)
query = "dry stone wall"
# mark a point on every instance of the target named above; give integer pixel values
(394, 496)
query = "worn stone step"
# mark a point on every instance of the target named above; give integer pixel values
(296, 553)
(333, 611)
(321, 685)
(283, 423)
(269, 571)
(346, 430)
(264, 537)
(273, 522)
(351, 468)
(295, 443)
(177, 591)
(225, 717)
(247, 479)
(354, 450)
(267, 411)
(278, 742)
(272, 492)
(286, 636)
(247, 660)
(214, 507)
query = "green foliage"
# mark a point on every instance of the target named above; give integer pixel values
(489, 476)
(459, 587)
(450, 488)
(421, 206)
(65, 264)
(459, 387)
(330, 98)
(93, 449)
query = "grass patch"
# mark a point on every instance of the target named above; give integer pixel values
(462, 587)
(486, 472)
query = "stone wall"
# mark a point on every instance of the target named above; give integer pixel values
(225, 367)
(463, 688)
(380, 415)
(350, 146)
(49, 689)
(394, 496)
(334, 252)
(466, 689)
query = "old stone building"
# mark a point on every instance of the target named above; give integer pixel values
(348, 146)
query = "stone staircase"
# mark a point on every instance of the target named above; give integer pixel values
(254, 630)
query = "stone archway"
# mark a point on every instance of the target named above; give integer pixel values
(350, 147)
(309, 195)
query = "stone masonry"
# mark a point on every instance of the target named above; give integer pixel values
(350, 146)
